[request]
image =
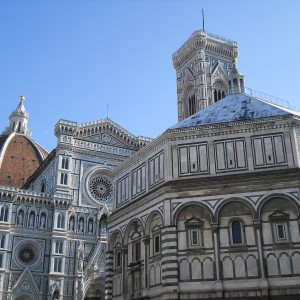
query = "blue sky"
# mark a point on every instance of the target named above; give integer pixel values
(72, 58)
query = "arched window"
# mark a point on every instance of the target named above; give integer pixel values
(64, 178)
(43, 187)
(192, 104)
(4, 213)
(55, 295)
(59, 247)
(19, 127)
(1, 260)
(60, 220)
(236, 231)
(2, 241)
(65, 163)
(219, 92)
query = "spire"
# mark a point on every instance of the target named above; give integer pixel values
(19, 120)
(236, 80)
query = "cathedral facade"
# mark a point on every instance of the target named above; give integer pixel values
(54, 230)
(208, 210)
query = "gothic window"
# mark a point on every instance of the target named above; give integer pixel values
(236, 232)
(60, 220)
(2, 241)
(19, 127)
(65, 163)
(58, 247)
(219, 92)
(1, 259)
(43, 186)
(56, 295)
(4, 213)
(57, 265)
(192, 104)
(63, 178)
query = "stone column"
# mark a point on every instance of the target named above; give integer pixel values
(109, 275)
(201, 83)
(146, 241)
(124, 271)
(216, 240)
(264, 285)
(169, 263)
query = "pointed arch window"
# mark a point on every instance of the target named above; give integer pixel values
(60, 220)
(64, 178)
(2, 241)
(219, 92)
(65, 163)
(59, 247)
(192, 104)
(4, 213)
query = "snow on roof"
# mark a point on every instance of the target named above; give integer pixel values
(232, 108)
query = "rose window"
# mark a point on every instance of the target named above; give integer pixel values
(27, 255)
(100, 188)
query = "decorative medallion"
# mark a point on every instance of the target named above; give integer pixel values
(25, 286)
(106, 138)
(100, 188)
(28, 253)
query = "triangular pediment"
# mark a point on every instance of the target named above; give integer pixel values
(25, 286)
(279, 214)
(219, 72)
(104, 131)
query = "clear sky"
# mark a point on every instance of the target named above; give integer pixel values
(72, 58)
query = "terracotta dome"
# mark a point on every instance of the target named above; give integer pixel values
(20, 155)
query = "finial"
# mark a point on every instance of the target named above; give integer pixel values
(22, 98)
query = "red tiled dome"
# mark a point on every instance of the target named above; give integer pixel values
(20, 157)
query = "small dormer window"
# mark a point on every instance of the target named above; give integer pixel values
(194, 229)
(280, 228)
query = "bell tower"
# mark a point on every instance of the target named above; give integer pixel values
(202, 66)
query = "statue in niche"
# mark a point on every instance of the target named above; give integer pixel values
(80, 256)
(80, 225)
(20, 218)
(91, 226)
(31, 219)
(43, 221)
(71, 224)
(103, 227)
